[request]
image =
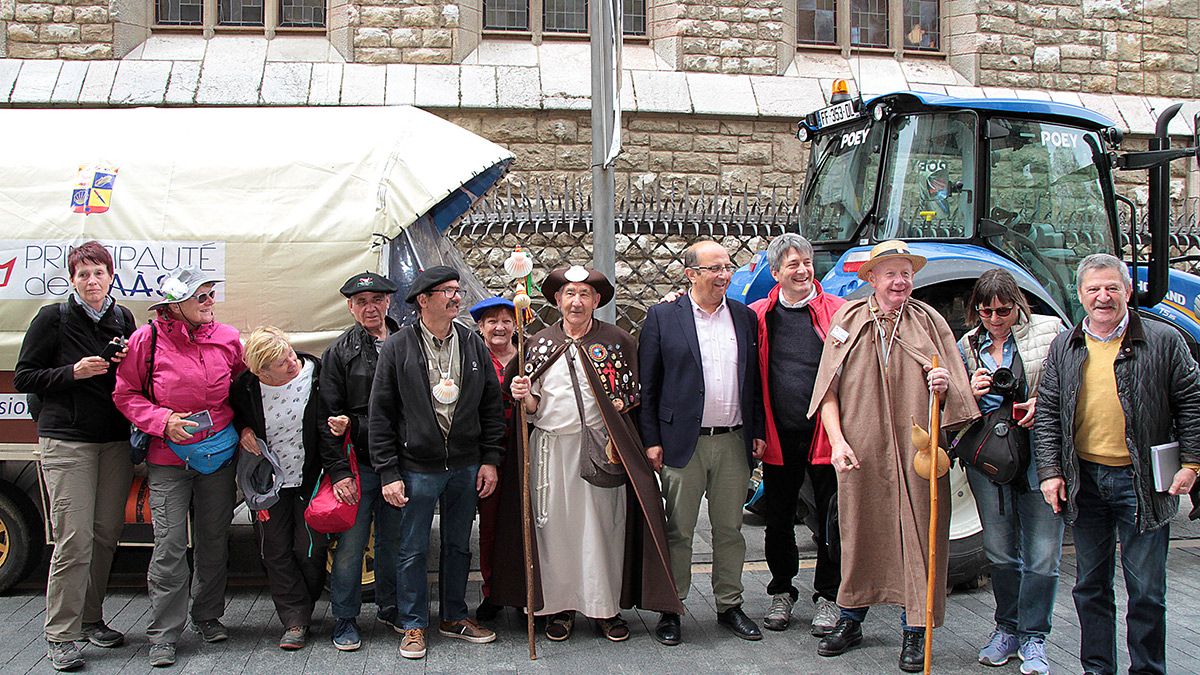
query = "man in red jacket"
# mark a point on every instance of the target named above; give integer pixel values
(792, 322)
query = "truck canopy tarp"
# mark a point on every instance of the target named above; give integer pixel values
(284, 203)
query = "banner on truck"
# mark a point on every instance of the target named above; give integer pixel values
(37, 270)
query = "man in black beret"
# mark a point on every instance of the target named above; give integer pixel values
(446, 452)
(347, 370)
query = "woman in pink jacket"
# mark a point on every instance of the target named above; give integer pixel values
(174, 385)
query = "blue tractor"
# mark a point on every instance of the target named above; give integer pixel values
(974, 184)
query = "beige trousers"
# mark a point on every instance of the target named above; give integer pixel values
(719, 470)
(88, 484)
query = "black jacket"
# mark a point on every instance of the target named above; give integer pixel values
(405, 435)
(1159, 388)
(73, 410)
(347, 371)
(246, 398)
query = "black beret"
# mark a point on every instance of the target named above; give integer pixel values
(368, 282)
(427, 279)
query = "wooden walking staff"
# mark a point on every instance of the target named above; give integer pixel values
(928, 453)
(519, 265)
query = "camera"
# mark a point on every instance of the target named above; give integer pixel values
(112, 348)
(1005, 383)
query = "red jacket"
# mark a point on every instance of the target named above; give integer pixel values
(822, 309)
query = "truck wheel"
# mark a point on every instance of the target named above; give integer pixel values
(20, 544)
(368, 569)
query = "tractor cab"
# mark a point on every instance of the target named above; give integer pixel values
(1015, 183)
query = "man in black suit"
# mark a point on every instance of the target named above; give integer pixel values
(702, 423)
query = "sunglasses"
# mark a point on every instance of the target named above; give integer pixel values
(987, 312)
(202, 298)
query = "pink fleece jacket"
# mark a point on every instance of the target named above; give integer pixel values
(192, 372)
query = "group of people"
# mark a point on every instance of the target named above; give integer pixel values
(627, 437)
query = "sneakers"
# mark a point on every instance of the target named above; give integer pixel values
(162, 655)
(779, 615)
(1002, 647)
(346, 637)
(64, 655)
(211, 630)
(102, 636)
(412, 645)
(466, 629)
(825, 617)
(294, 638)
(1033, 657)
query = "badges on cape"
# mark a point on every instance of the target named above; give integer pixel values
(598, 353)
(93, 188)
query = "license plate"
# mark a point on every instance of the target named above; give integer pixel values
(838, 112)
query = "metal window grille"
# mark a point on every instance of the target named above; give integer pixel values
(240, 12)
(302, 13)
(869, 23)
(565, 16)
(179, 12)
(922, 25)
(817, 22)
(653, 225)
(634, 15)
(506, 14)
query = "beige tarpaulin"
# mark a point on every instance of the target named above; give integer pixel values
(285, 203)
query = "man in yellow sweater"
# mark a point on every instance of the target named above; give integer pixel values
(1112, 388)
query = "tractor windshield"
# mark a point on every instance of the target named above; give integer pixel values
(843, 173)
(929, 178)
(1046, 204)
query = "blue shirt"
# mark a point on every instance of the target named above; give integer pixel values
(991, 401)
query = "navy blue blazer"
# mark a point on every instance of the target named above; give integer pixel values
(673, 380)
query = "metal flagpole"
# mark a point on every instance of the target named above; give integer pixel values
(604, 18)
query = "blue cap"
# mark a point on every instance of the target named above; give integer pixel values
(483, 306)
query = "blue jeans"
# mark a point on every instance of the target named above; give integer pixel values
(1107, 509)
(455, 489)
(1024, 547)
(859, 614)
(345, 580)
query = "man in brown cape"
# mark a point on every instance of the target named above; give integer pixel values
(599, 529)
(874, 381)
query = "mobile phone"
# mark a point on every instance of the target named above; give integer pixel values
(202, 418)
(112, 348)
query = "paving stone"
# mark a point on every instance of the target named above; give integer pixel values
(286, 83)
(1136, 112)
(233, 71)
(478, 86)
(518, 52)
(401, 84)
(185, 78)
(141, 83)
(169, 47)
(791, 97)
(1104, 104)
(9, 69)
(518, 87)
(98, 82)
(436, 86)
(291, 48)
(714, 94)
(661, 92)
(36, 82)
(363, 84)
(70, 82)
(566, 85)
(326, 85)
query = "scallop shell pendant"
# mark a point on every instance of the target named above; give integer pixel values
(445, 392)
(519, 264)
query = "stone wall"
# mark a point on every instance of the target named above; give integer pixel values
(753, 37)
(701, 152)
(58, 29)
(1149, 47)
(400, 31)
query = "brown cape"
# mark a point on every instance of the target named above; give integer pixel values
(646, 577)
(883, 507)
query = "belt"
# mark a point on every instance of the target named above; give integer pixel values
(717, 431)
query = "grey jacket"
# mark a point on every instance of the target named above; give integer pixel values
(1159, 388)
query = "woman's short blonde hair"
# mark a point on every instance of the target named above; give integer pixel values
(266, 345)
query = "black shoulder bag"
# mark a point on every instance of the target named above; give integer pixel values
(995, 444)
(139, 441)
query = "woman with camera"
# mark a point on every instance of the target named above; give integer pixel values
(1022, 535)
(174, 385)
(67, 361)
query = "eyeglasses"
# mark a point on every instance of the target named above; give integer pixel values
(987, 312)
(715, 269)
(448, 292)
(202, 298)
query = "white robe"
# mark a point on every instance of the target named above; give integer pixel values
(581, 528)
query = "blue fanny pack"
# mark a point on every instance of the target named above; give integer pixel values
(209, 455)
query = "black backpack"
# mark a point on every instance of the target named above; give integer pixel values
(995, 444)
(34, 401)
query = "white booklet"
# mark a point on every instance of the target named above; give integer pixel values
(1164, 462)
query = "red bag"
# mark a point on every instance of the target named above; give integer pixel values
(327, 515)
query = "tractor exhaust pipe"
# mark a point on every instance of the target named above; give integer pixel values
(1159, 215)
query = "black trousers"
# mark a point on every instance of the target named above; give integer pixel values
(781, 496)
(294, 558)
